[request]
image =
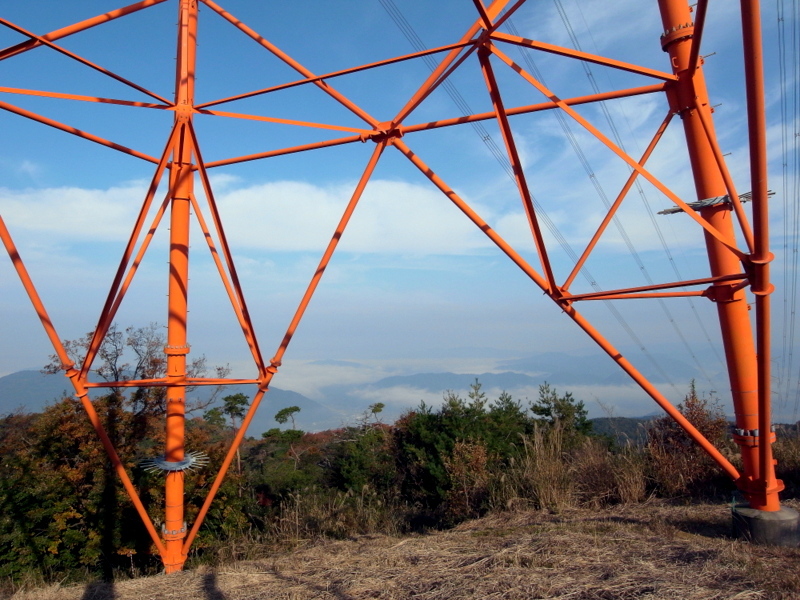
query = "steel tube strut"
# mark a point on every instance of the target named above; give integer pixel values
(77, 383)
(181, 191)
(762, 288)
(540, 281)
(688, 97)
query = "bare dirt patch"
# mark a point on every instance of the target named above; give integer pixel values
(652, 550)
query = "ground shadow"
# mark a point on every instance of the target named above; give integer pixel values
(332, 589)
(211, 589)
(99, 590)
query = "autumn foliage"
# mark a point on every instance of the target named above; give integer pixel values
(64, 515)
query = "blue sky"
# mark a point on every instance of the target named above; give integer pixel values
(414, 286)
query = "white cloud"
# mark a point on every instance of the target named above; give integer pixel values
(392, 217)
(70, 213)
(29, 168)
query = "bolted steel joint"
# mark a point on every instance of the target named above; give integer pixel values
(173, 534)
(677, 33)
(386, 131)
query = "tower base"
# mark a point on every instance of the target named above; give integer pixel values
(772, 528)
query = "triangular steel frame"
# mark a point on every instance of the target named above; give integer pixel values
(182, 160)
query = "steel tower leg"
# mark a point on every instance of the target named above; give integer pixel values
(689, 99)
(181, 186)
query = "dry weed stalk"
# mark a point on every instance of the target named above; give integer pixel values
(544, 470)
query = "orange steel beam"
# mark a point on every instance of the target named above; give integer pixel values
(708, 226)
(331, 75)
(686, 93)
(74, 131)
(516, 165)
(115, 293)
(592, 58)
(433, 79)
(285, 151)
(76, 28)
(736, 202)
(660, 286)
(436, 124)
(221, 113)
(604, 344)
(341, 98)
(617, 203)
(746, 372)
(77, 383)
(761, 288)
(485, 18)
(275, 363)
(633, 296)
(531, 108)
(177, 347)
(190, 382)
(697, 36)
(82, 60)
(44, 94)
(233, 287)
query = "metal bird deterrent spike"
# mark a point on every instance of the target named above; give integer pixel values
(192, 460)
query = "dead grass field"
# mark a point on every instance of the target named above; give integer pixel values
(651, 550)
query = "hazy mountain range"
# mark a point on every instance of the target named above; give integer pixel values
(342, 404)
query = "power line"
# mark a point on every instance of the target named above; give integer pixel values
(618, 140)
(408, 31)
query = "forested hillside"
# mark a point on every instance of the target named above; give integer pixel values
(64, 516)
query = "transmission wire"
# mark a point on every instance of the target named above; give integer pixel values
(645, 200)
(618, 139)
(411, 35)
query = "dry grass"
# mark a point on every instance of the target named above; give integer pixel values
(650, 550)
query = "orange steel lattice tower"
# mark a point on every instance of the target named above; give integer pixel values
(718, 211)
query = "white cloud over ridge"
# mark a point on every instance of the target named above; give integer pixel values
(392, 218)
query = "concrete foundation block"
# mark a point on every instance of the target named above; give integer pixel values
(773, 528)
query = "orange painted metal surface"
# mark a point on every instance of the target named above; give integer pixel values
(688, 97)
(732, 269)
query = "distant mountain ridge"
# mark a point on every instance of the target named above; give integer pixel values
(457, 381)
(342, 404)
(31, 391)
